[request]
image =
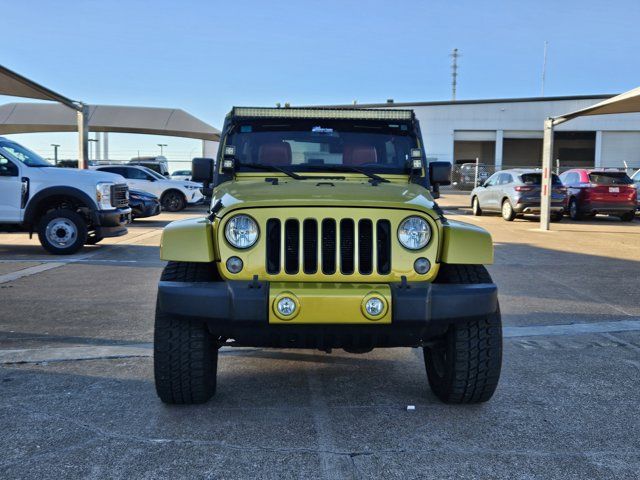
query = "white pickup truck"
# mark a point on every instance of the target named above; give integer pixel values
(68, 208)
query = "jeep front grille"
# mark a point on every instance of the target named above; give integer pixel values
(327, 245)
(119, 196)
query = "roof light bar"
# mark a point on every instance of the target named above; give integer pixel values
(322, 113)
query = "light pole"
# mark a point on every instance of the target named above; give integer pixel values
(162, 145)
(55, 153)
(91, 142)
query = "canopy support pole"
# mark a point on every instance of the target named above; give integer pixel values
(83, 136)
(547, 155)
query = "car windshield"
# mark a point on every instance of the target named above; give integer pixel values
(609, 178)
(153, 173)
(321, 145)
(536, 179)
(24, 155)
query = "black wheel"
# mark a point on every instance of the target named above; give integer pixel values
(463, 366)
(574, 210)
(556, 217)
(628, 217)
(185, 353)
(94, 239)
(507, 211)
(173, 201)
(475, 207)
(62, 231)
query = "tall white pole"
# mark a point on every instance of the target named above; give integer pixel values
(83, 136)
(547, 164)
(105, 145)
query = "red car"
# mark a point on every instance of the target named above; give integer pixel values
(599, 191)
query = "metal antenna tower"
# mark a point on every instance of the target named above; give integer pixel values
(454, 73)
(544, 65)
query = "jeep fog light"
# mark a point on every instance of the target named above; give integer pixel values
(374, 306)
(421, 265)
(286, 306)
(234, 264)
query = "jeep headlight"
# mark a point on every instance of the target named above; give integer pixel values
(414, 233)
(241, 231)
(103, 195)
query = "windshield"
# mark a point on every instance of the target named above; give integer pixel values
(536, 179)
(609, 178)
(153, 173)
(24, 155)
(323, 145)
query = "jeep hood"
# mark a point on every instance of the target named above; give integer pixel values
(320, 193)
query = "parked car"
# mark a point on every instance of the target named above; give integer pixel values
(158, 164)
(143, 204)
(463, 174)
(636, 181)
(608, 192)
(181, 175)
(67, 208)
(174, 195)
(517, 192)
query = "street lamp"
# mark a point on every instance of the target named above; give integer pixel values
(162, 145)
(55, 153)
(91, 141)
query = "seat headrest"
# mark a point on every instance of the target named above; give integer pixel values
(278, 154)
(359, 155)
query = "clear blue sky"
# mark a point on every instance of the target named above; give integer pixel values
(205, 56)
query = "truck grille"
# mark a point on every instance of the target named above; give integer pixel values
(329, 246)
(119, 196)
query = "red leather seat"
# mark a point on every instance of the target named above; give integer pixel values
(355, 155)
(277, 154)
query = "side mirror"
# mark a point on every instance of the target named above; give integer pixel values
(440, 173)
(202, 170)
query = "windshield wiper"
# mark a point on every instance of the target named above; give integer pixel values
(349, 168)
(273, 168)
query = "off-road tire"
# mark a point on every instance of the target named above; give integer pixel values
(507, 211)
(463, 366)
(628, 217)
(77, 221)
(185, 353)
(475, 207)
(173, 201)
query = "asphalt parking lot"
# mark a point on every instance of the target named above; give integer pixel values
(77, 398)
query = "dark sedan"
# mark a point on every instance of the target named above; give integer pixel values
(143, 204)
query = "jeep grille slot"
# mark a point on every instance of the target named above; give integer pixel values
(291, 246)
(328, 246)
(310, 246)
(383, 228)
(365, 247)
(273, 245)
(347, 246)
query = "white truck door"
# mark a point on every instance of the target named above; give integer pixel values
(10, 192)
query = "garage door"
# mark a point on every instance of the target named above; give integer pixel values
(620, 147)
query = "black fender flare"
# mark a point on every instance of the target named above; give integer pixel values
(34, 202)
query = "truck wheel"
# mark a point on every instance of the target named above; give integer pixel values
(628, 217)
(173, 201)
(464, 365)
(507, 211)
(185, 354)
(475, 207)
(574, 210)
(62, 231)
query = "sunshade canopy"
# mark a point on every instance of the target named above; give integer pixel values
(52, 117)
(15, 85)
(628, 102)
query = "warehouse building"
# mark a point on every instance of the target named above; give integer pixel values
(508, 132)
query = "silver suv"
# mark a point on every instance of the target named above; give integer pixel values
(517, 192)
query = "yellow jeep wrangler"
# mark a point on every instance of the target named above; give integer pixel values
(323, 233)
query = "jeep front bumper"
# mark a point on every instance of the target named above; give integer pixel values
(243, 311)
